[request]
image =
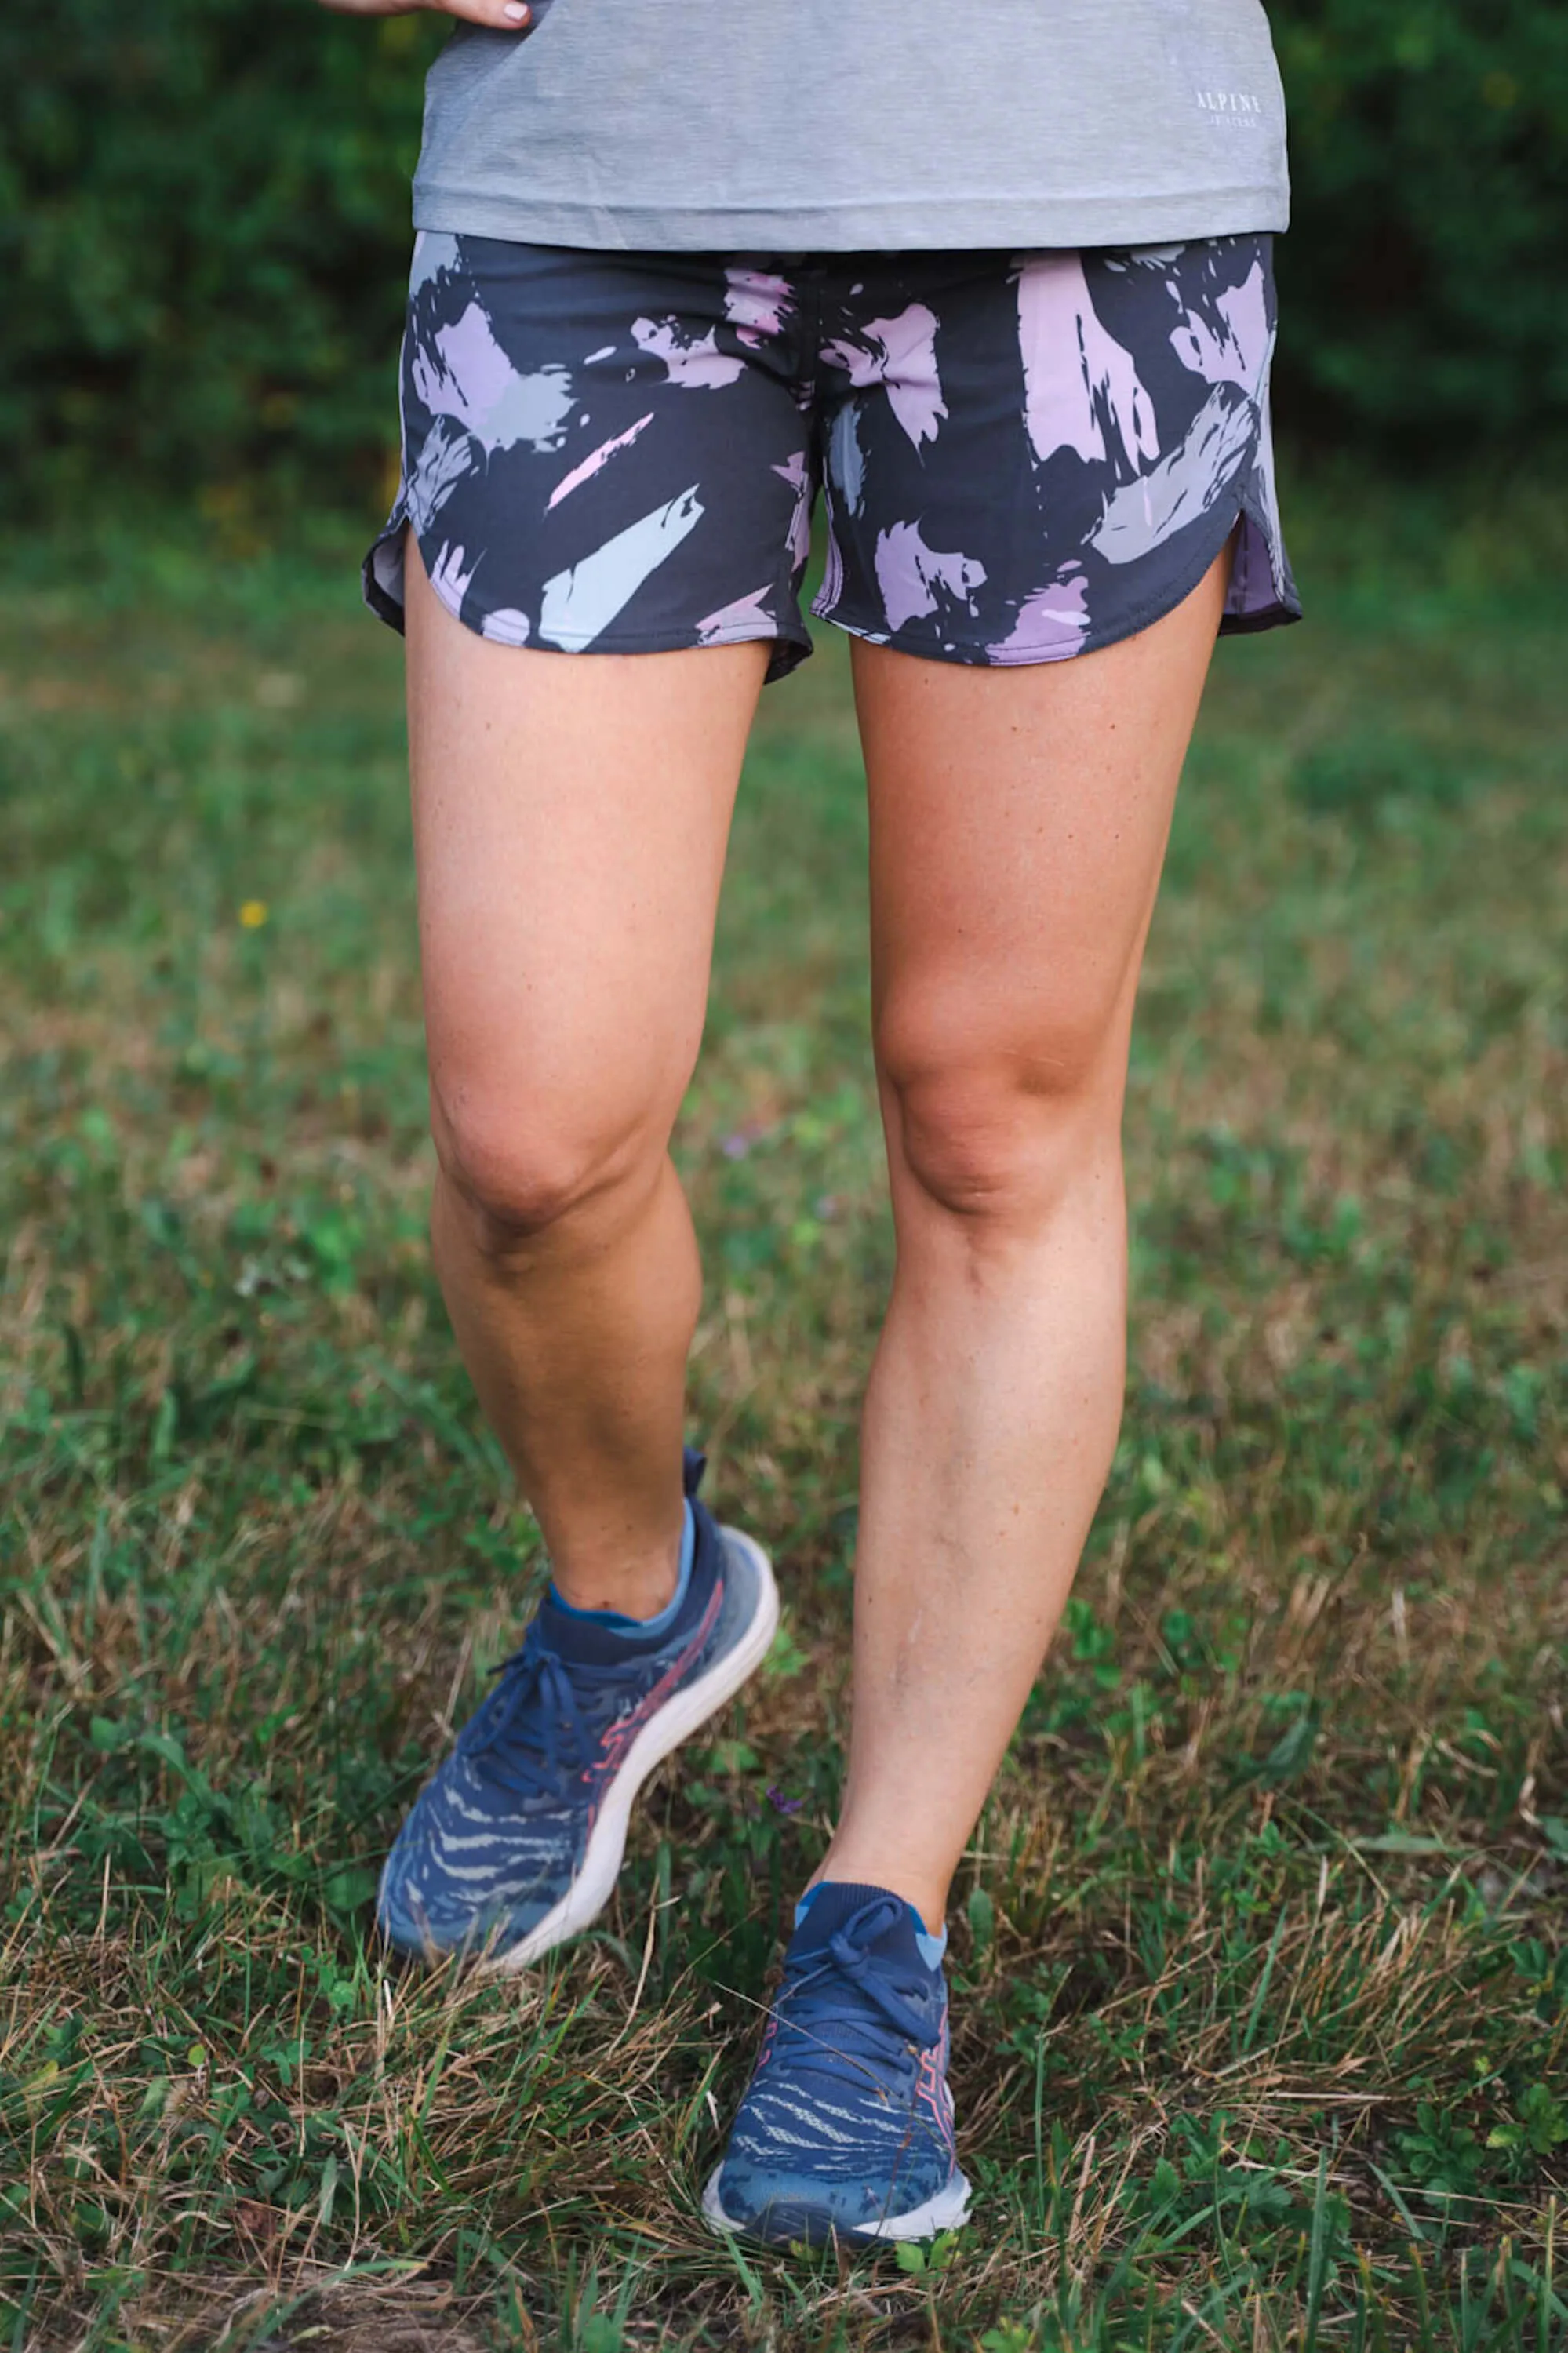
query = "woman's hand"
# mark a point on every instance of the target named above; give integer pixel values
(501, 15)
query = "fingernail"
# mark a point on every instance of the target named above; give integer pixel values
(515, 12)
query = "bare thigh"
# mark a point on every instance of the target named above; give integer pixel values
(1018, 824)
(571, 813)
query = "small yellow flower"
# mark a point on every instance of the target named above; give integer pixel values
(254, 914)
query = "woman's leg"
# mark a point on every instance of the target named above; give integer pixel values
(1019, 820)
(570, 817)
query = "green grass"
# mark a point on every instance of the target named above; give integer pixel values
(1261, 1980)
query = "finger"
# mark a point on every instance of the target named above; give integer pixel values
(504, 16)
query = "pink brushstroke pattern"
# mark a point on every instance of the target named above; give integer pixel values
(695, 363)
(594, 460)
(1078, 379)
(900, 354)
(913, 576)
(757, 304)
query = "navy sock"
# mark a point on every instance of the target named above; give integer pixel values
(616, 1622)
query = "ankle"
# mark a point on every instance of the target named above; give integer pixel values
(641, 1590)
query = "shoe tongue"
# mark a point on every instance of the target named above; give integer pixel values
(834, 1903)
(581, 1641)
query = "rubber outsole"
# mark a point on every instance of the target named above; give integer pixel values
(592, 1889)
(791, 2221)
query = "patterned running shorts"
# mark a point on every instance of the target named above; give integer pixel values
(1023, 457)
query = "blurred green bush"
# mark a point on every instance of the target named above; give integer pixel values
(1423, 275)
(204, 232)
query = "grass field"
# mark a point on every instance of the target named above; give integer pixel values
(1261, 1977)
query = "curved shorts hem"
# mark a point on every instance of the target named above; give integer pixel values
(978, 653)
(381, 578)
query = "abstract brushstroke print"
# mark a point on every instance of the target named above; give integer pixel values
(1023, 457)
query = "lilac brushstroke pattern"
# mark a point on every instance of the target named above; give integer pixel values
(745, 617)
(466, 375)
(899, 355)
(1048, 502)
(1080, 388)
(1239, 352)
(1050, 624)
(914, 578)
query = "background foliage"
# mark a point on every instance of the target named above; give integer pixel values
(203, 226)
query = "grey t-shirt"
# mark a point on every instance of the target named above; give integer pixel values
(802, 125)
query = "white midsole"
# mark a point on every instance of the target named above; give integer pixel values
(945, 2211)
(676, 1720)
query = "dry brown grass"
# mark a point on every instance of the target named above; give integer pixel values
(1261, 1996)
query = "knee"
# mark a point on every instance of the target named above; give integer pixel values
(995, 1128)
(522, 1166)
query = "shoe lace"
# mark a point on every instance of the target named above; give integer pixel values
(845, 2004)
(537, 1728)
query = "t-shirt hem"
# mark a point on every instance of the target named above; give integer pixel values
(885, 225)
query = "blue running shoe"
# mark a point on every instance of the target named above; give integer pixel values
(514, 1844)
(847, 2127)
